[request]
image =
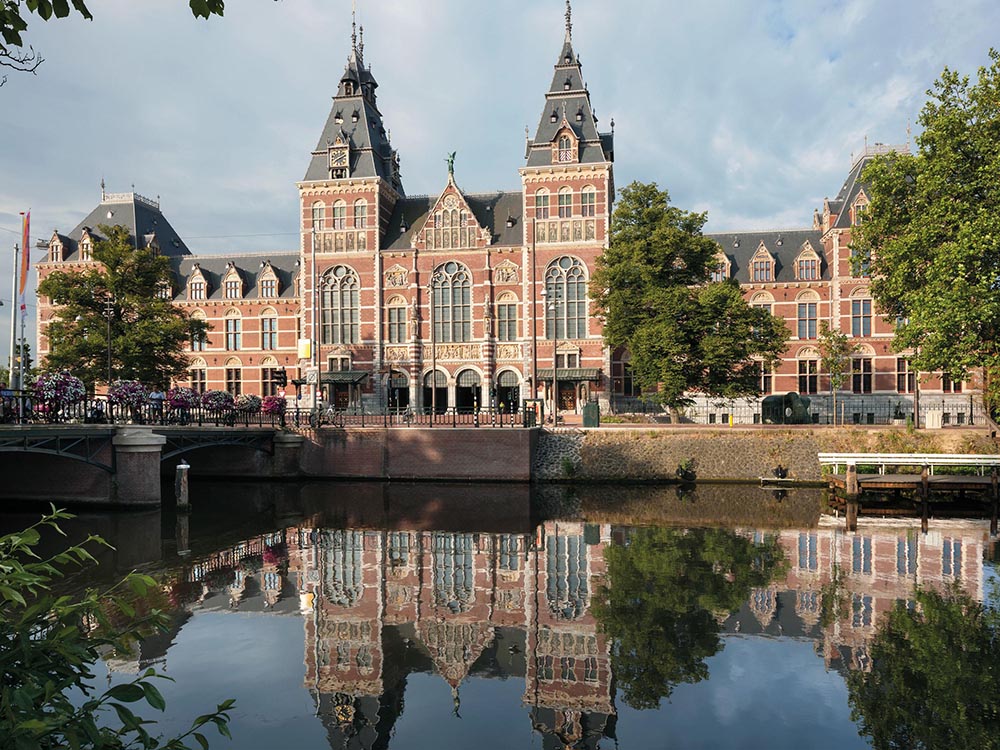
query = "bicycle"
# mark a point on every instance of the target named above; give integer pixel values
(326, 416)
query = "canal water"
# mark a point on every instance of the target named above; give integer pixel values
(449, 616)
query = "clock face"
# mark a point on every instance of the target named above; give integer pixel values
(338, 158)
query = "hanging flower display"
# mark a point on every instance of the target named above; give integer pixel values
(248, 403)
(274, 406)
(183, 398)
(217, 400)
(130, 394)
(59, 389)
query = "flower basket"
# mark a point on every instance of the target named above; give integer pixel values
(129, 394)
(217, 400)
(183, 398)
(248, 403)
(274, 406)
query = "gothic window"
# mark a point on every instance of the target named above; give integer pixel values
(340, 561)
(542, 204)
(507, 317)
(340, 306)
(565, 148)
(269, 329)
(340, 215)
(808, 376)
(452, 287)
(565, 203)
(234, 376)
(317, 216)
(566, 299)
(396, 320)
(454, 573)
(861, 317)
(234, 330)
(588, 202)
(360, 214)
(566, 575)
(861, 375)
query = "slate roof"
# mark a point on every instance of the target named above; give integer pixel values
(215, 267)
(784, 245)
(568, 97)
(853, 185)
(134, 212)
(490, 209)
(371, 153)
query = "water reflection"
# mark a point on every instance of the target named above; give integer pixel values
(588, 612)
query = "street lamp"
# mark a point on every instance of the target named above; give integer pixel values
(109, 312)
(435, 277)
(551, 309)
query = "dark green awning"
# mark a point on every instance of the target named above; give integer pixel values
(572, 373)
(350, 377)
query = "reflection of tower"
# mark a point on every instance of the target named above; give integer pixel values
(568, 679)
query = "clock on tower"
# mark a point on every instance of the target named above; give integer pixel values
(339, 162)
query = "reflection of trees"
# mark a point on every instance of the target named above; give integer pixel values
(666, 592)
(934, 679)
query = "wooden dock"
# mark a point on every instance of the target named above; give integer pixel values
(915, 483)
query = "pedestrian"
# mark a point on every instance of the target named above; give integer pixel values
(156, 399)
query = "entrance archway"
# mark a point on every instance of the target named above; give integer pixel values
(435, 392)
(399, 391)
(508, 391)
(467, 389)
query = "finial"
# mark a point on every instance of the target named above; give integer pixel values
(354, 26)
(361, 44)
(569, 21)
(102, 188)
(612, 126)
(456, 701)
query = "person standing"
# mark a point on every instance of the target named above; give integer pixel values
(156, 399)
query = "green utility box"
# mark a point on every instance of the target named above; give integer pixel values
(591, 414)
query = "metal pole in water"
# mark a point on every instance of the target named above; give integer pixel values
(181, 487)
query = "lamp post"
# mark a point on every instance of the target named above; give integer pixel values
(435, 277)
(551, 306)
(109, 312)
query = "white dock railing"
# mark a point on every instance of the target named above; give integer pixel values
(930, 460)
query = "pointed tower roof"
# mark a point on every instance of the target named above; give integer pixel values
(567, 104)
(356, 120)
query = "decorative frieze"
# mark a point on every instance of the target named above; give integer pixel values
(457, 351)
(506, 273)
(397, 353)
(397, 277)
(508, 351)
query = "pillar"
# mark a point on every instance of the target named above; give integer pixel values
(137, 466)
(287, 454)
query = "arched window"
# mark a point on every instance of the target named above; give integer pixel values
(234, 329)
(542, 204)
(340, 306)
(452, 287)
(566, 299)
(198, 375)
(340, 215)
(360, 214)
(808, 302)
(269, 328)
(565, 203)
(506, 317)
(588, 201)
(565, 148)
(396, 320)
(234, 376)
(317, 216)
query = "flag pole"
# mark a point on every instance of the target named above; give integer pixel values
(11, 376)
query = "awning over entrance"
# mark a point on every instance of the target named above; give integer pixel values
(349, 377)
(572, 373)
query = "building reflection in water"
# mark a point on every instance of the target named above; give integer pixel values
(378, 605)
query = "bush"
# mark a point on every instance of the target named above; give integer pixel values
(51, 644)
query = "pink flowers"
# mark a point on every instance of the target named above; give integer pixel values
(274, 406)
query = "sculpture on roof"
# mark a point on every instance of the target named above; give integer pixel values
(451, 163)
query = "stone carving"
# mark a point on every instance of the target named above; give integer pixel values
(458, 351)
(397, 277)
(506, 273)
(397, 353)
(451, 202)
(508, 351)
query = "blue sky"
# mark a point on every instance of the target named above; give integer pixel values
(747, 110)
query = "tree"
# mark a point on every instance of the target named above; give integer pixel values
(51, 643)
(123, 294)
(932, 230)
(652, 287)
(835, 352)
(933, 681)
(664, 594)
(14, 16)
(29, 365)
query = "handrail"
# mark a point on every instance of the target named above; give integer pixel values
(930, 460)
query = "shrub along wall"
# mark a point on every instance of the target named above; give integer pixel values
(736, 454)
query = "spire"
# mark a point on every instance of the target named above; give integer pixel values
(361, 44)
(354, 27)
(569, 22)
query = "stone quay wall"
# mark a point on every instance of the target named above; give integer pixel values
(728, 453)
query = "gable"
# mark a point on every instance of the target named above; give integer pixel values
(451, 224)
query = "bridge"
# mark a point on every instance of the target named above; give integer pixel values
(124, 466)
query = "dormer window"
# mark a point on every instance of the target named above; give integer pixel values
(762, 265)
(565, 148)
(579, 115)
(86, 250)
(721, 271)
(567, 84)
(355, 116)
(233, 290)
(859, 213)
(807, 269)
(196, 290)
(165, 292)
(56, 252)
(348, 88)
(554, 117)
(269, 288)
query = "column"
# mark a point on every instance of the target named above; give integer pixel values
(137, 461)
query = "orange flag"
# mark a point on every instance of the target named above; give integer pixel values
(25, 261)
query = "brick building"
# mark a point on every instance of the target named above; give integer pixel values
(462, 299)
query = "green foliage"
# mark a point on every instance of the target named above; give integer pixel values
(148, 333)
(835, 352)
(932, 230)
(652, 287)
(665, 594)
(568, 467)
(29, 365)
(933, 681)
(14, 15)
(51, 643)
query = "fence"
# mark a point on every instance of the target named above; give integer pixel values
(451, 417)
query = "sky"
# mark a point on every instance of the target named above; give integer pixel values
(749, 110)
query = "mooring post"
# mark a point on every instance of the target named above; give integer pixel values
(925, 482)
(852, 486)
(853, 507)
(181, 487)
(925, 498)
(996, 502)
(183, 534)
